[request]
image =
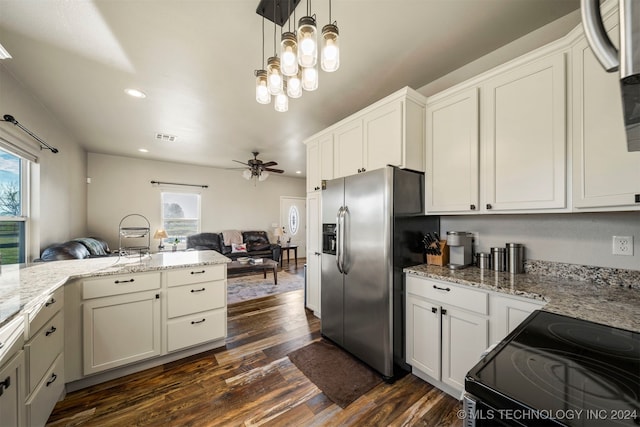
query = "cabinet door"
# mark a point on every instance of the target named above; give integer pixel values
(12, 398)
(423, 335)
(348, 150)
(507, 313)
(605, 174)
(452, 154)
(326, 158)
(524, 137)
(383, 137)
(464, 338)
(314, 250)
(313, 165)
(120, 330)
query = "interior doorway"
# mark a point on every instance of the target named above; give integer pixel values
(293, 220)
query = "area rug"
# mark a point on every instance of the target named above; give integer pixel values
(340, 376)
(242, 288)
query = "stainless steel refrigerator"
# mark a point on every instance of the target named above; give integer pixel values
(373, 225)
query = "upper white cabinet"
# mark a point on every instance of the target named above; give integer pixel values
(498, 144)
(452, 159)
(319, 161)
(389, 132)
(524, 127)
(605, 174)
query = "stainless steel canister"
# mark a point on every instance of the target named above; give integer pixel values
(498, 258)
(515, 258)
(484, 260)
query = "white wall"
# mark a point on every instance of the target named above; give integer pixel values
(121, 185)
(60, 209)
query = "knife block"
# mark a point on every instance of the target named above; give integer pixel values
(443, 258)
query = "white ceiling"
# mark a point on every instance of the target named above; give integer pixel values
(195, 59)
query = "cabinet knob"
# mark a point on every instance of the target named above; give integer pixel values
(364, 170)
(637, 198)
(444, 311)
(489, 206)
(359, 170)
(472, 207)
(434, 309)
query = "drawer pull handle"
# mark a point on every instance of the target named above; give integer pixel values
(5, 385)
(50, 331)
(53, 378)
(193, 322)
(197, 272)
(51, 301)
(124, 281)
(197, 290)
(441, 289)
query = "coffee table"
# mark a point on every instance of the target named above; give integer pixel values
(234, 267)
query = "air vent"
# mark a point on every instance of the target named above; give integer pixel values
(166, 137)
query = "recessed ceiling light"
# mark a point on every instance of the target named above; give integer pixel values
(143, 150)
(3, 53)
(135, 93)
(298, 171)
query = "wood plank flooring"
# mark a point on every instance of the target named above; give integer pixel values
(251, 381)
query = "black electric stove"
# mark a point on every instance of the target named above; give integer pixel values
(555, 370)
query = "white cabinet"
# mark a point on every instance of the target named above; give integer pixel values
(314, 251)
(319, 161)
(452, 153)
(121, 320)
(348, 148)
(507, 312)
(605, 174)
(12, 391)
(196, 306)
(524, 127)
(447, 331)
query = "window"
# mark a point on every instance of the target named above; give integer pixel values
(293, 220)
(180, 215)
(13, 207)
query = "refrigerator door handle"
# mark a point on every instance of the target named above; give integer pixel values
(345, 249)
(339, 239)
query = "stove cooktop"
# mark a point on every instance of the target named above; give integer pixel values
(557, 370)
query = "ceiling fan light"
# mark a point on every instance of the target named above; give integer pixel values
(307, 42)
(246, 174)
(263, 176)
(310, 78)
(262, 91)
(294, 85)
(274, 76)
(289, 54)
(330, 55)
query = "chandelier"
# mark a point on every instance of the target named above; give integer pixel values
(296, 68)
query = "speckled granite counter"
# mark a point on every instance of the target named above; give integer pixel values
(23, 286)
(613, 305)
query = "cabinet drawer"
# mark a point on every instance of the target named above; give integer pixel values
(449, 294)
(118, 285)
(205, 273)
(43, 348)
(41, 315)
(189, 299)
(196, 329)
(42, 401)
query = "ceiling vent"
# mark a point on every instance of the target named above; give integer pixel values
(165, 137)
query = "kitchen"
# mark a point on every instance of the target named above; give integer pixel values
(564, 237)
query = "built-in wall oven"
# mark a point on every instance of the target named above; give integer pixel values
(555, 370)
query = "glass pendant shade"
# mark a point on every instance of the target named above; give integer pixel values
(274, 76)
(289, 54)
(294, 85)
(263, 176)
(307, 42)
(330, 54)
(281, 102)
(310, 78)
(262, 91)
(246, 174)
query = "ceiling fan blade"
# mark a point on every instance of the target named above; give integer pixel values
(242, 163)
(274, 170)
(269, 164)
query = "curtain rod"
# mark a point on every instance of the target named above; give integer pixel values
(9, 118)
(177, 183)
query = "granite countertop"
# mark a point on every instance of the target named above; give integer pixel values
(613, 305)
(23, 286)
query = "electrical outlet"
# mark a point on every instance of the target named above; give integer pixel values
(622, 245)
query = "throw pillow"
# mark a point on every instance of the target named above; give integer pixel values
(238, 248)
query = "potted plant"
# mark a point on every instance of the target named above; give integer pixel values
(175, 244)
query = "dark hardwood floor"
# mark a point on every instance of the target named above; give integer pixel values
(251, 381)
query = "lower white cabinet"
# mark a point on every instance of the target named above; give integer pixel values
(46, 394)
(12, 391)
(449, 326)
(119, 330)
(314, 251)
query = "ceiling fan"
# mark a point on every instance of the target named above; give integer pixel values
(256, 168)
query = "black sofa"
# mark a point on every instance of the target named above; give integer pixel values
(257, 242)
(80, 248)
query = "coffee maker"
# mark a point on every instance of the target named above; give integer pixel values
(460, 249)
